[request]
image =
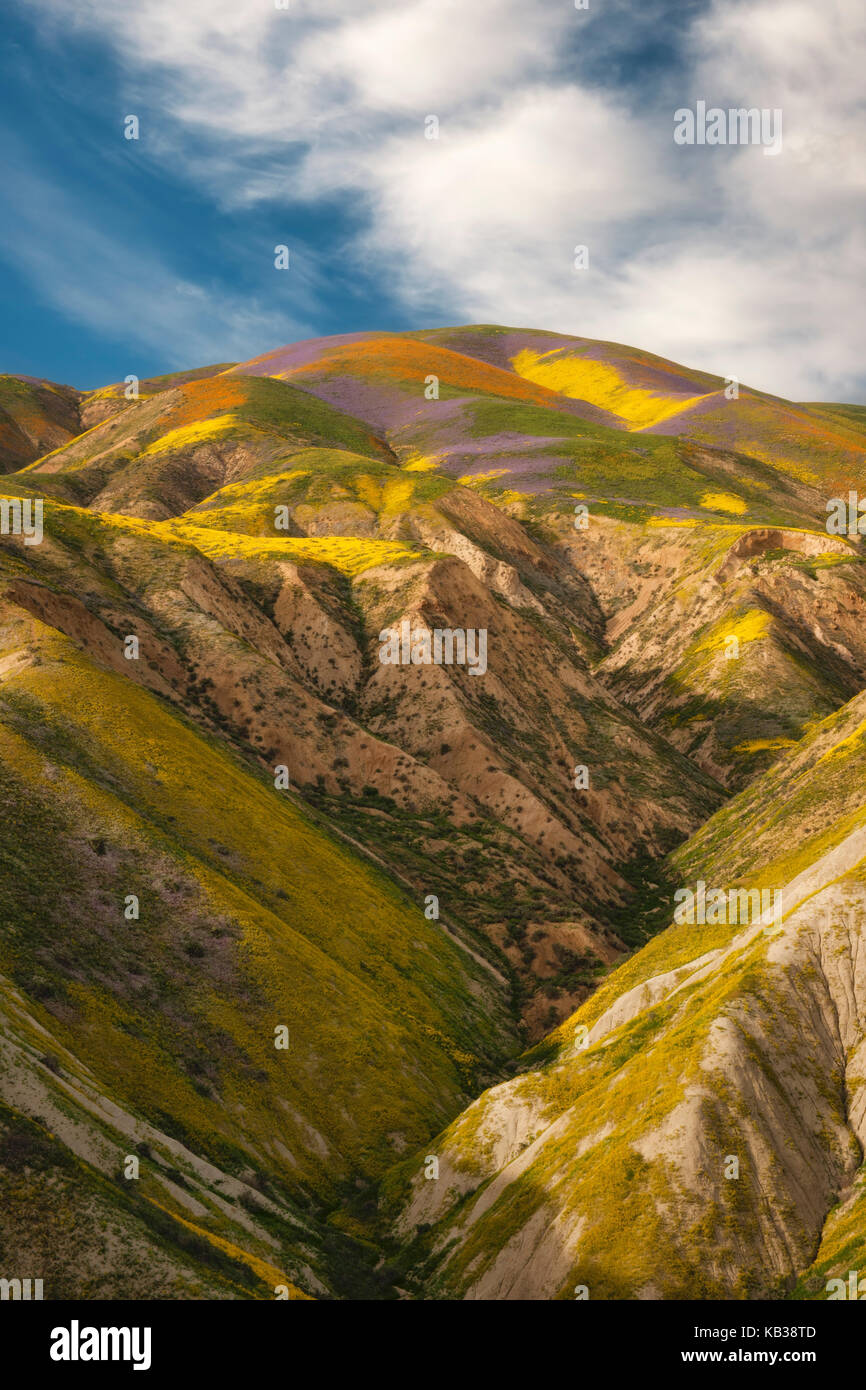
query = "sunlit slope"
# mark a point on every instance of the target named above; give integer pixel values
(112, 794)
(507, 409)
(450, 413)
(105, 401)
(818, 445)
(729, 640)
(639, 394)
(345, 554)
(387, 379)
(105, 1205)
(663, 610)
(460, 786)
(166, 451)
(609, 1162)
(523, 414)
(514, 413)
(323, 492)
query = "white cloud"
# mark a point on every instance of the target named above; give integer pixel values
(494, 208)
(435, 55)
(718, 257)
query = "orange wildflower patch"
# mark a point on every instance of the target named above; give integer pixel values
(202, 399)
(410, 360)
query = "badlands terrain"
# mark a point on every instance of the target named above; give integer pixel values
(355, 979)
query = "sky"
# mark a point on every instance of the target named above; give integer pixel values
(307, 127)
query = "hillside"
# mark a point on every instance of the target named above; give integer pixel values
(607, 1160)
(423, 870)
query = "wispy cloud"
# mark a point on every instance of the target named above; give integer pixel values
(553, 132)
(127, 292)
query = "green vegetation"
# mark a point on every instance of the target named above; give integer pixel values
(237, 829)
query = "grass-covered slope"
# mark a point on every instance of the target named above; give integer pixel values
(665, 614)
(250, 918)
(645, 393)
(462, 787)
(690, 1130)
(165, 451)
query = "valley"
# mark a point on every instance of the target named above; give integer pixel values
(478, 955)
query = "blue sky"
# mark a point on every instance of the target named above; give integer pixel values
(306, 127)
(105, 241)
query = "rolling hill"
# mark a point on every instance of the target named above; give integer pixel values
(224, 815)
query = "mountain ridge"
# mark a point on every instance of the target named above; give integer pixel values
(611, 521)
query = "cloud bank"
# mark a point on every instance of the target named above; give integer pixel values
(555, 128)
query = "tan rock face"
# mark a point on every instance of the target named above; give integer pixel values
(674, 596)
(284, 658)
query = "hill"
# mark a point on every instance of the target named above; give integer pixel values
(434, 874)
